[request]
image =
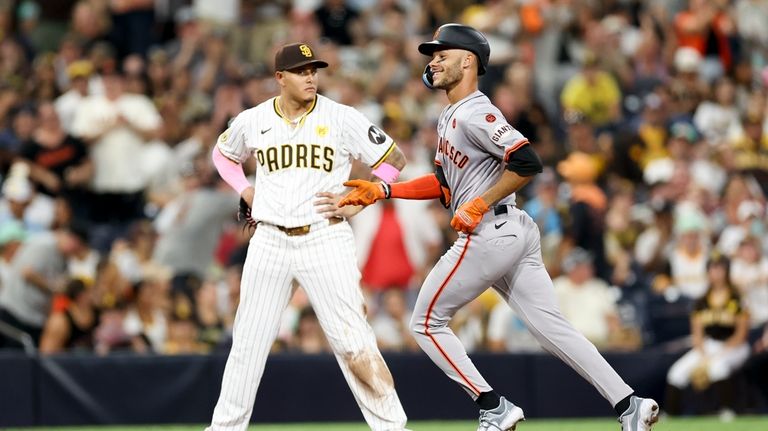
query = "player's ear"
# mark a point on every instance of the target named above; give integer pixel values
(279, 77)
(469, 58)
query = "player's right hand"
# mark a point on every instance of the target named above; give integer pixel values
(365, 193)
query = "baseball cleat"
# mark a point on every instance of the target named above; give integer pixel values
(640, 416)
(503, 418)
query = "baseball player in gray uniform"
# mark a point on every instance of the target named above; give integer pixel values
(304, 145)
(481, 162)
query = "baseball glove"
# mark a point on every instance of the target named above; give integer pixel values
(244, 215)
(700, 376)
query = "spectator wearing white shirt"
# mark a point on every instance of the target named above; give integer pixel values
(749, 215)
(507, 331)
(749, 275)
(391, 323)
(719, 119)
(68, 103)
(20, 202)
(117, 125)
(146, 323)
(688, 258)
(585, 300)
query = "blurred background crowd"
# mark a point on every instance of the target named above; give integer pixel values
(116, 233)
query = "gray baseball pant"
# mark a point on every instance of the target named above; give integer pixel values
(504, 252)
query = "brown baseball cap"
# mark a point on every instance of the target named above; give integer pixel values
(297, 55)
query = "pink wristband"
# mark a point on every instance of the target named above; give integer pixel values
(386, 172)
(230, 171)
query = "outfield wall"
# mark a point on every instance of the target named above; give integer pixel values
(80, 390)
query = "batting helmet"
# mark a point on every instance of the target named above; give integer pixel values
(458, 36)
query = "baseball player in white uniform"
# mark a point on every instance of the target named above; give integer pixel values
(303, 143)
(481, 162)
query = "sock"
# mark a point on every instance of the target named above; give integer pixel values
(623, 405)
(488, 400)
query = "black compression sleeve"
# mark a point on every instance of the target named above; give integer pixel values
(525, 162)
(445, 196)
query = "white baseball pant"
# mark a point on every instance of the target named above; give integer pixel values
(721, 362)
(323, 262)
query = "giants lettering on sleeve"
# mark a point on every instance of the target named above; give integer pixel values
(501, 131)
(451, 153)
(296, 156)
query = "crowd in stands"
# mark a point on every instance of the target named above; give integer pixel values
(116, 233)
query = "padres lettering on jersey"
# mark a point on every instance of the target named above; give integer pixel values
(296, 156)
(474, 142)
(297, 161)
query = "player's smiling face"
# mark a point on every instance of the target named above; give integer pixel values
(446, 66)
(299, 84)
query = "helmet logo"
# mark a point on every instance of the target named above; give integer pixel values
(305, 51)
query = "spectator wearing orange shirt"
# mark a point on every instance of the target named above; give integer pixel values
(707, 28)
(72, 322)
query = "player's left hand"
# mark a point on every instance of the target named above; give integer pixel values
(328, 206)
(469, 215)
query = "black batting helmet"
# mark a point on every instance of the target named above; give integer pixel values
(458, 36)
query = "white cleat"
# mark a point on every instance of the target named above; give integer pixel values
(503, 418)
(640, 416)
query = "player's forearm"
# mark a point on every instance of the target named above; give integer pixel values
(389, 169)
(37, 280)
(510, 182)
(697, 333)
(739, 336)
(396, 158)
(421, 188)
(231, 172)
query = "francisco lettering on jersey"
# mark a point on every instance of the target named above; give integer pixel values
(296, 156)
(451, 153)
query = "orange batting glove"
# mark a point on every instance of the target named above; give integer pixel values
(468, 216)
(365, 193)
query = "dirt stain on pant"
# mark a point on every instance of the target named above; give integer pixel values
(371, 371)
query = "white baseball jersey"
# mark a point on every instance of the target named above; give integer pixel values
(295, 163)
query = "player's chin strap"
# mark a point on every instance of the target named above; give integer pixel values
(426, 78)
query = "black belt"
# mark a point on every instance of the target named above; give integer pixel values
(501, 209)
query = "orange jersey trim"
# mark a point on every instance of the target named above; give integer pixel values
(514, 148)
(384, 157)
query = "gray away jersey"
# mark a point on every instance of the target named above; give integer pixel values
(474, 142)
(294, 163)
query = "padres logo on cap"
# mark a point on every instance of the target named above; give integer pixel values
(305, 51)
